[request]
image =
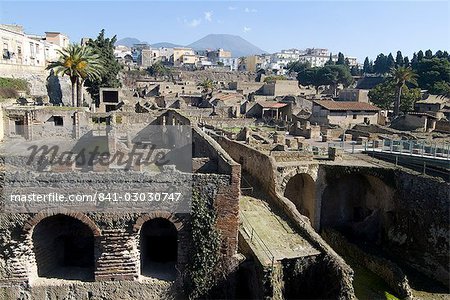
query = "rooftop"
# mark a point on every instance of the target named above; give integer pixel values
(346, 105)
(270, 104)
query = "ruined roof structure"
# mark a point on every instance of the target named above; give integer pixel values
(346, 105)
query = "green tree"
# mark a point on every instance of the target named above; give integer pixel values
(433, 74)
(355, 71)
(428, 54)
(104, 47)
(414, 61)
(341, 59)
(79, 63)
(399, 59)
(158, 69)
(308, 77)
(406, 61)
(380, 65)
(439, 54)
(384, 94)
(207, 85)
(390, 62)
(419, 55)
(330, 61)
(366, 66)
(298, 66)
(400, 77)
(333, 76)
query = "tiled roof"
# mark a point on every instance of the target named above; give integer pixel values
(270, 104)
(346, 105)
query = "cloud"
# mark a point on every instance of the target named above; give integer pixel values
(250, 10)
(232, 7)
(247, 29)
(193, 23)
(208, 16)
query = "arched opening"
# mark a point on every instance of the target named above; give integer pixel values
(300, 189)
(64, 248)
(159, 249)
(356, 204)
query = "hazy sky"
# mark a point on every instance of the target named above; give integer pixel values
(357, 28)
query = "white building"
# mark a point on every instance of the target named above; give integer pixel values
(284, 57)
(231, 62)
(19, 48)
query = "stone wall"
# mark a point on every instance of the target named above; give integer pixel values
(442, 126)
(420, 224)
(262, 168)
(225, 122)
(384, 268)
(37, 78)
(405, 213)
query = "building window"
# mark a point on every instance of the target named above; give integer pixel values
(19, 51)
(5, 51)
(32, 49)
(354, 117)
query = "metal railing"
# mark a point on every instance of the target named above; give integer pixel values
(418, 148)
(255, 239)
(405, 147)
(248, 188)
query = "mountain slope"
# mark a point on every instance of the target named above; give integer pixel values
(165, 45)
(237, 45)
(234, 43)
(128, 41)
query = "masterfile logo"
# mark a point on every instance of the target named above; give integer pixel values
(138, 169)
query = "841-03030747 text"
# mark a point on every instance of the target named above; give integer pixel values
(53, 197)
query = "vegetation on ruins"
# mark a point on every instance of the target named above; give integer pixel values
(104, 47)
(158, 69)
(329, 75)
(401, 76)
(384, 95)
(273, 78)
(205, 258)
(80, 63)
(433, 70)
(9, 87)
(207, 85)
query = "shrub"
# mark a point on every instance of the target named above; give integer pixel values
(8, 92)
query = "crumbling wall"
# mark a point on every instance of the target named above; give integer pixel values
(418, 228)
(405, 213)
(382, 267)
(37, 78)
(262, 168)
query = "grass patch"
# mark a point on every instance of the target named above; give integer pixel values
(368, 285)
(14, 83)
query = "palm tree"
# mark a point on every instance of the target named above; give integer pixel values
(207, 85)
(400, 76)
(79, 63)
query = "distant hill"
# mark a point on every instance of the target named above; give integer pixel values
(234, 43)
(165, 45)
(128, 41)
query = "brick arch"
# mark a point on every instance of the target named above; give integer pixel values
(30, 224)
(157, 214)
(294, 173)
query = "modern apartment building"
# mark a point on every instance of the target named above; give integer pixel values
(19, 48)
